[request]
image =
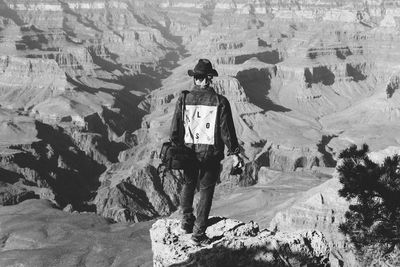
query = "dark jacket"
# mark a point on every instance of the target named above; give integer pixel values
(207, 103)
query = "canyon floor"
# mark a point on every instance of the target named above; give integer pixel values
(87, 93)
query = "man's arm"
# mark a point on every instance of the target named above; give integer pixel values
(228, 132)
(176, 123)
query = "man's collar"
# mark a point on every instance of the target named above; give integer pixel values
(207, 88)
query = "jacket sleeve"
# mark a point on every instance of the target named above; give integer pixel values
(228, 132)
(176, 123)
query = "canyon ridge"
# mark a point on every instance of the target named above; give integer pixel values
(87, 93)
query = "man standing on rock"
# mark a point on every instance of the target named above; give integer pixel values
(208, 126)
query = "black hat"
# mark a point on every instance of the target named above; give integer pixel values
(203, 67)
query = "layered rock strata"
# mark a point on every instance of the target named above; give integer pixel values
(304, 80)
(323, 209)
(25, 83)
(135, 192)
(73, 75)
(53, 167)
(320, 208)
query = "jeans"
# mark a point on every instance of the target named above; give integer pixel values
(206, 175)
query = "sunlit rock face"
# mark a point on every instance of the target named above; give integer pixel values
(26, 82)
(323, 209)
(88, 89)
(72, 75)
(320, 208)
(97, 82)
(235, 243)
(132, 192)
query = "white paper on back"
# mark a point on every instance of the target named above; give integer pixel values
(200, 124)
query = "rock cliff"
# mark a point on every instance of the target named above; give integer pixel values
(133, 192)
(96, 82)
(235, 243)
(320, 208)
(323, 209)
(26, 82)
(72, 75)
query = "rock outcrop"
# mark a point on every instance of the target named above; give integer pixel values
(53, 167)
(235, 243)
(87, 91)
(135, 192)
(12, 194)
(72, 75)
(26, 82)
(34, 233)
(322, 208)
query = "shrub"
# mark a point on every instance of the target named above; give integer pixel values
(373, 220)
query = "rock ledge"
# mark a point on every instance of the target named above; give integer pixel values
(235, 243)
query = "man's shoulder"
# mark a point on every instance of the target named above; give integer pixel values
(222, 99)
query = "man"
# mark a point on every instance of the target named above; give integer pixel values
(208, 126)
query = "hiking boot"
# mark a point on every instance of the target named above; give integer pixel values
(187, 229)
(187, 223)
(201, 240)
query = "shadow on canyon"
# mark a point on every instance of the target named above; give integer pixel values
(147, 79)
(129, 117)
(319, 74)
(269, 57)
(328, 159)
(165, 32)
(62, 166)
(7, 12)
(355, 72)
(257, 84)
(31, 41)
(9, 176)
(252, 257)
(324, 75)
(79, 18)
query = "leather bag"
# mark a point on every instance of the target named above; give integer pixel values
(177, 156)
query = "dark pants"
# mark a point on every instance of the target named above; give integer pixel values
(206, 175)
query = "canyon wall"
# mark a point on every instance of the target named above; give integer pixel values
(88, 89)
(97, 82)
(323, 209)
(72, 76)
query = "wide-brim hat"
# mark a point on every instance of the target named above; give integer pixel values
(203, 67)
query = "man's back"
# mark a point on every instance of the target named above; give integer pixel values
(205, 125)
(208, 124)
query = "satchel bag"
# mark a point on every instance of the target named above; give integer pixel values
(177, 156)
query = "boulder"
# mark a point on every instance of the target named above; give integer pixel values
(11, 194)
(133, 192)
(235, 243)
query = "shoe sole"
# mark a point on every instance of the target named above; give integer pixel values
(199, 243)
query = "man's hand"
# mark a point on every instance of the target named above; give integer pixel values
(237, 162)
(237, 165)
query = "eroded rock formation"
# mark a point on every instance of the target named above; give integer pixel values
(133, 192)
(323, 209)
(88, 89)
(72, 76)
(235, 243)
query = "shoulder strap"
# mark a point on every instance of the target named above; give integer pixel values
(182, 131)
